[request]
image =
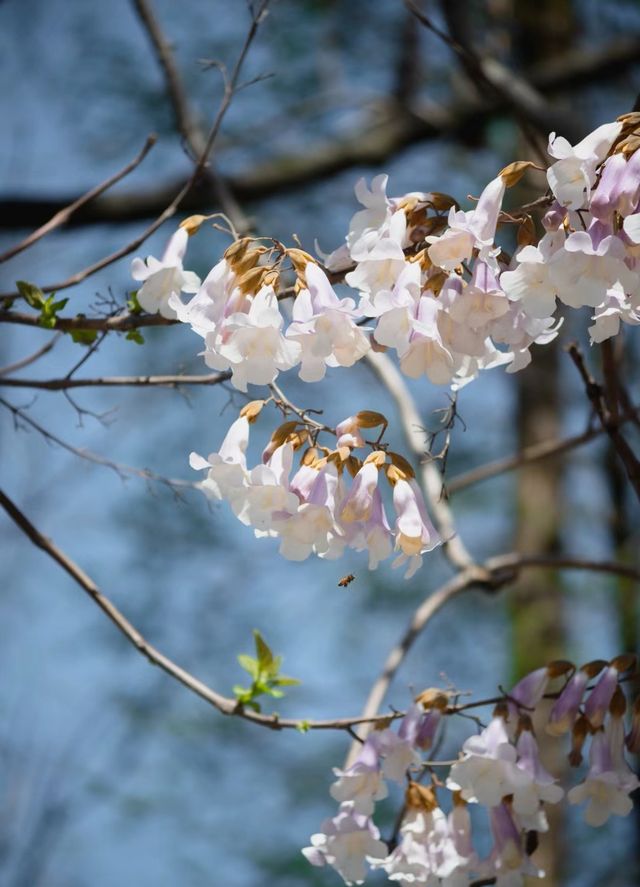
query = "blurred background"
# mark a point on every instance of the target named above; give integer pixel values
(110, 773)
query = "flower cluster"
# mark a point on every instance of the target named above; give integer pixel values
(314, 508)
(431, 282)
(499, 769)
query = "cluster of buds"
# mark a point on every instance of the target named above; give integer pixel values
(499, 769)
(332, 501)
(432, 284)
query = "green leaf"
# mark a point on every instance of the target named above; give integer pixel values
(133, 305)
(249, 664)
(31, 293)
(135, 336)
(303, 726)
(84, 337)
(284, 681)
(263, 651)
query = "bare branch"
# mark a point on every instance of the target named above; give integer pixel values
(493, 575)
(186, 124)
(120, 323)
(224, 704)
(122, 470)
(175, 381)
(411, 421)
(63, 215)
(389, 133)
(31, 358)
(533, 453)
(171, 209)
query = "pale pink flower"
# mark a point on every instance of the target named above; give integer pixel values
(345, 843)
(165, 277)
(573, 175)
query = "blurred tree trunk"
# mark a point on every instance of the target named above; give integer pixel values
(541, 29)
(625, 550)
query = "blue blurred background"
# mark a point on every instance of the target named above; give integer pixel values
(110, 772)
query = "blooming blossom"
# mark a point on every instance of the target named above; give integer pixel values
(574, 172)
(165, 277)
(345, 843)
(607, 787)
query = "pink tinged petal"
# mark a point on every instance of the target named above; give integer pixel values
(598, 702)
(485, 215)
(508, 848)
(529, 691)
(426, 733)
(604, 201)
(358, 504)
(565, 709)
(348, 433)
(411, 723)
(631, 227)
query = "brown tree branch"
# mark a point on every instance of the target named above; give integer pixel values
(391, 132)
(175, 381)
(30, 358)
(186, 123)
(122, 470)
(223, 704)
(610, 425)
(533, 453)
(120, 323)
(415, 435)
(63, 215)
(231, 84)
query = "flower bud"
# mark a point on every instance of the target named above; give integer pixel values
(581, 729)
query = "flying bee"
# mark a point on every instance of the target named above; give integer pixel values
(346, 580)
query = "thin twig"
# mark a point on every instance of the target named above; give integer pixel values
(120, 323)
(61, 217)
(414, 432)
(175, 381)
(122, 470)
(230, 89)
(224, 704)
(186, 123)
(532, 453)
(493, 575)
(31, 358)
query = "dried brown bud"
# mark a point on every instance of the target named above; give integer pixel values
(371, 419)
(192, 224)
(560, 667)
(624, 662)
(401, 464)
(433, 698)
(592, 669)
(512, 173)
(581, 729)
(420, 797)
(436, 281)
(618, 704)
(252, 410)
(526, 232)
(237, 249)
(441, 202)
